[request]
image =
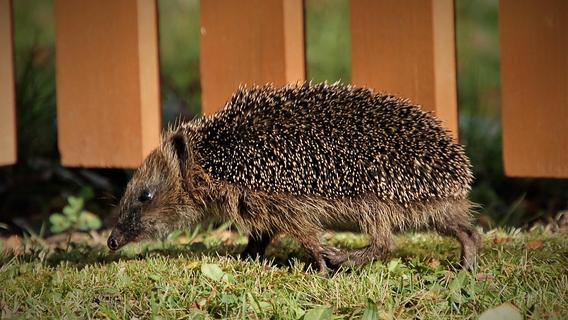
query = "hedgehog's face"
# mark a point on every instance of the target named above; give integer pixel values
(155, 202)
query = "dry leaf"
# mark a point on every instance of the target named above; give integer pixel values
(534, 244)
(484, 276)
(183, 240)
(12, 243)
(434, 263)
(195, 305)
(500, 239)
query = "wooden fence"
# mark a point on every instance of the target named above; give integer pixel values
(108, 79)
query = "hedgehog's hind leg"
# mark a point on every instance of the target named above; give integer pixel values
(469, 240)
(256, 246)
(381, 243)
(457, 223)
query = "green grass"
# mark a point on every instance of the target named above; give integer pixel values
(198, 276)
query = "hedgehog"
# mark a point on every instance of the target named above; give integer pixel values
(300, 160)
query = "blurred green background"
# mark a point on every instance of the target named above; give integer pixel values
(38, 186)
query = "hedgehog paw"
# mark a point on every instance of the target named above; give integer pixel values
(333, 256)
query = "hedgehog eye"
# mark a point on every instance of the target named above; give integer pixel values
(145, 196)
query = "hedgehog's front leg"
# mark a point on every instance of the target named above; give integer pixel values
(257, 243)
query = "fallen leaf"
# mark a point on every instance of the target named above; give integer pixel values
(459, 281)
(394, 265)
(214, 272)
(434, 263)
(12, 243)
(225, 235)
(203, 301)
(484, 276)
(195, 305)
(505, 311)
(183, 239)
(456, 287)
(501, 239)
(534, 244)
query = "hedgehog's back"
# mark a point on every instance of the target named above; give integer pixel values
(332, 141)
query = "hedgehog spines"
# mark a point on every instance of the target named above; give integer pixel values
(333, 141)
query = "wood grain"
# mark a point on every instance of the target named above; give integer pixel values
(8, 142)
(108, 103)
(249, 42)
(534, 80)
(407, 48)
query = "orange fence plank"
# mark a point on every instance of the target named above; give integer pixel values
(249, 42)
(108, 106)
(7, 87)
(407, 48)
(534, 87)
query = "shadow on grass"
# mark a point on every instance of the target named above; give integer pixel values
(281, 254)
(81, 255)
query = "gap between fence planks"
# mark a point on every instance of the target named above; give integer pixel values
(8, 141)
(249, 42)
(108, 106)
(407, 48)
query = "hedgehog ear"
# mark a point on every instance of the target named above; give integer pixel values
(179, 144)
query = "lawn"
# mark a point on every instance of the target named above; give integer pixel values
(198, 275)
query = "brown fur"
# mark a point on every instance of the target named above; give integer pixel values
(303, 218)
(185, 193)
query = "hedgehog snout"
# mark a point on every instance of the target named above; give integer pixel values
(116, 240)
(112, 243)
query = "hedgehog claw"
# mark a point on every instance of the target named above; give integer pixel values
(333, 256)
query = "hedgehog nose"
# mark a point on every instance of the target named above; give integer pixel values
(112, 243)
